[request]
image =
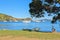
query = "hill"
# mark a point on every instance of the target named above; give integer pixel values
(5, 18)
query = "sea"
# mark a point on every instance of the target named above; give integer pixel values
(44, 26)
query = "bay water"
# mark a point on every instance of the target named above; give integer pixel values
(44, 26)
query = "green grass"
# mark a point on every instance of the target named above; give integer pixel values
(29, 34)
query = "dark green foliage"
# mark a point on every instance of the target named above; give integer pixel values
(27, 30)
(47, 8)
(37, 7)
(55, 18)
(55, 9)
(58, 1)
(49, 1)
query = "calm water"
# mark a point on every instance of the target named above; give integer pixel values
(44, 26)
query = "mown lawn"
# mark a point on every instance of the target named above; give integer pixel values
(40, 35)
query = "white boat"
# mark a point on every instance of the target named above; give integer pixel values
(26, 21)
(37, 21)
(16, 21)
(5, 21)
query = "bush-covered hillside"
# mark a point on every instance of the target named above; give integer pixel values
(4, 17)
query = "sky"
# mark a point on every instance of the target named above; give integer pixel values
(17, 8)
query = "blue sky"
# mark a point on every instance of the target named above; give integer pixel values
(17, 8)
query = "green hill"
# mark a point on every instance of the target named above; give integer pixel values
(4, 17)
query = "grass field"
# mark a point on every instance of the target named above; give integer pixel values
(38, 35)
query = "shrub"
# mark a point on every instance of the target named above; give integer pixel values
(36, 29)
(26, 29)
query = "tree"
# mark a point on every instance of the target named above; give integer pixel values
(36, 9)
(50, 2)
(55, 18)
(58, 1)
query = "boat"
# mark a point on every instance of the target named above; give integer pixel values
(37, 21)
(26, 21)
(4, 21)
